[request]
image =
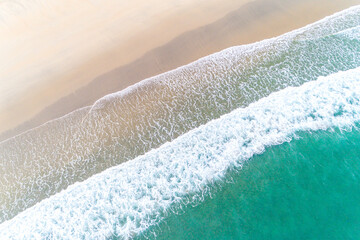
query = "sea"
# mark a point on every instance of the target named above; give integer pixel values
(258, 141)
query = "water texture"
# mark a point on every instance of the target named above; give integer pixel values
(124, 125)
(308, 188)
(125, 200)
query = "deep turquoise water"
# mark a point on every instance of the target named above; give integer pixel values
(121, 126)
(203, 152)
(283, 192)
(305, 189)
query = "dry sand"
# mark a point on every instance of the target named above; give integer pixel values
(57, 56)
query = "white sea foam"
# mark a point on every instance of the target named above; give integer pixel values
(124, 125)
(125, 200)
(338, 22)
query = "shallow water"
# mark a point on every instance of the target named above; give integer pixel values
(125, 200)
(124, 125)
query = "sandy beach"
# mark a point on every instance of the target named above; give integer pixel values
(53, 61)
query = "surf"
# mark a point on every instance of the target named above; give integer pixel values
(125, 200)
(121, 126)
(305, 188)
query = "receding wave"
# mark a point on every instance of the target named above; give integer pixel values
(124, 125)
(125, 200)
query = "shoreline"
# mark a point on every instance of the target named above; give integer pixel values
(253, 21)
(130, 123)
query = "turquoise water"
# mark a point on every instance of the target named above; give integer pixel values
(124, 125)
(234, 145)
(305, 189)
(129, 199)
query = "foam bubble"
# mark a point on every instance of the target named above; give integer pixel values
(124, 125)
(125, 200)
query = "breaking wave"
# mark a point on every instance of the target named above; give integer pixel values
(124, 125)
(125, 200)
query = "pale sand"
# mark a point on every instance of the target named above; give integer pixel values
(51, 51)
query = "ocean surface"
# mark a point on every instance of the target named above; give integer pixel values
(308, 188)
(258, 141)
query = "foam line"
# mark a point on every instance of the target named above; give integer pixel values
(124, 125)
(125, 200)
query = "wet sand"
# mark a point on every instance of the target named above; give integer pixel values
(54, 62)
